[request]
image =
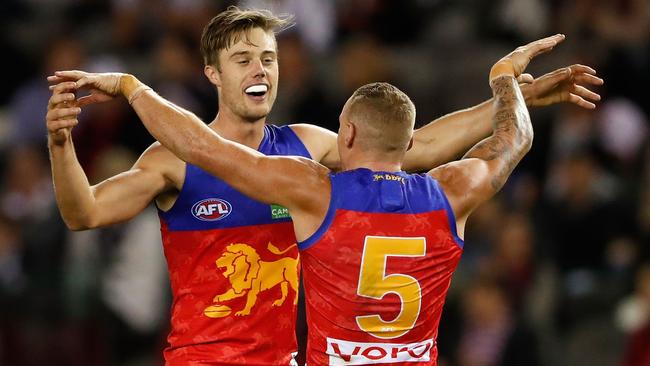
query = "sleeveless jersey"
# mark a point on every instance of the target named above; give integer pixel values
(233, 267)
(377, 271)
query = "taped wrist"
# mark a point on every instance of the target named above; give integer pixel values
(137, 92)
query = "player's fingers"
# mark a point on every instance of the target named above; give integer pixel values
(577, 100)
(71, 74)
(525, 79)
(64, 86)
(62, 113)
(89, 99)
(62, 123)
(60, 98)
(579, 68)
(53, 79)
(543, 45)
(83, 82)
(552, 79)
(588, 79)
(585, 93)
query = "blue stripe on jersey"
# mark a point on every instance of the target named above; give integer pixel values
(399, 192)
(206, 202)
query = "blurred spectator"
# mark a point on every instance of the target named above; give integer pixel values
(116, 282)
(623, 129)
(633, 317)
(28, 105)
(12, 278)
(315, 19)
(491, 332)
(36, 308)
(302, 98)
(582, 209)
(371, 17)
(512, 262)
(178, 76)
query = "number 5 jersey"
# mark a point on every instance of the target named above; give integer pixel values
(377, 271)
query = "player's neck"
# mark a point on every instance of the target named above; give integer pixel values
(357, 158)
(238, 130)
(372, 164)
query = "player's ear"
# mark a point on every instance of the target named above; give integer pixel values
(350, 133)
(213, 75)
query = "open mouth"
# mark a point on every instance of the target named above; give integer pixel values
(257, 91)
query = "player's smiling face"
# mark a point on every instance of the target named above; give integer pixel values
(249, 75)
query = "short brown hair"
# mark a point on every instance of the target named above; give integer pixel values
(227, 28)
(388, 115)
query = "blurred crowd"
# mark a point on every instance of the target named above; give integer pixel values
(556, 269)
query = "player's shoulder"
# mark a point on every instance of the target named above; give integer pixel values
(158, 153)
(311, 133)
(465, 179)
(319, 141)
(306, 168)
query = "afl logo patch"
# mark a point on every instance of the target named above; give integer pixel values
(211, 209)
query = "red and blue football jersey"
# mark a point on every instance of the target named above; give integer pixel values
(233, 266)
(377, 271)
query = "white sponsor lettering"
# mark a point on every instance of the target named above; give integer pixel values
(211, 208)
(293, 361)
(356, 353)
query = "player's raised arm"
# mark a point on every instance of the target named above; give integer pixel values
(450, 136)
(288, 181)
(116, 199)
(487, 166)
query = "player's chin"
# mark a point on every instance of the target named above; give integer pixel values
(260, 108)
(258, 112)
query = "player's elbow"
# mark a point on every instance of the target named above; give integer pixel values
(525, 132)
(75, 225)
(80, 222)
(527, 141)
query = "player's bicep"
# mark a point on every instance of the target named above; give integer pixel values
(290, 181)
(123, 196)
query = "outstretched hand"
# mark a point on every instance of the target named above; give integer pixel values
(516, 61)
(101, 86)
(568, 84)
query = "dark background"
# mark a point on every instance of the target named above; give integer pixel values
(555, 270)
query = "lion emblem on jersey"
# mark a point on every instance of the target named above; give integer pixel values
(249, 275)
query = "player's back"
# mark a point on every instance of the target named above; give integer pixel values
(378, 269)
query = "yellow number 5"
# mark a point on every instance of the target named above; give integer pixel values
(375, 284)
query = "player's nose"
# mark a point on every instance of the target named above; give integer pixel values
(258, 69)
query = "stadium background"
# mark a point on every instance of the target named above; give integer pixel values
(556, 267)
